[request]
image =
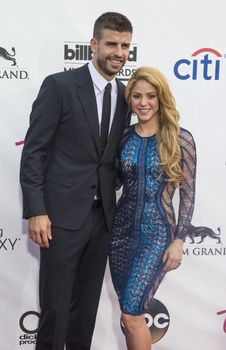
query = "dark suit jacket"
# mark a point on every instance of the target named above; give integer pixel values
(61, 163)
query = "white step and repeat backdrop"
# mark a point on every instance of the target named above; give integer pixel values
(186, 41)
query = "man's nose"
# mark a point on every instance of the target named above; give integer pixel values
(118, 50)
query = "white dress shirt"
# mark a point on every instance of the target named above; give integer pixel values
(99, 84)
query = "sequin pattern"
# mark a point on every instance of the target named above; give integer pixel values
(144, 223)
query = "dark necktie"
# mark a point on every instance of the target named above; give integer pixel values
(106, 113)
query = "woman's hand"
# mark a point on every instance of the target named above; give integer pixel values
(173, 255)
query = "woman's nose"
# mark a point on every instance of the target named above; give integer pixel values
(143, 101)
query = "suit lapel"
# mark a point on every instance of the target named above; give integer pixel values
(87, 98)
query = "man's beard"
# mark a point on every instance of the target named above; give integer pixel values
(102, 64)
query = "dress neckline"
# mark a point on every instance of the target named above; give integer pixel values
(142, 137)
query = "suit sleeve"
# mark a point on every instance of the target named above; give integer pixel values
(44, 119)
(187, 189)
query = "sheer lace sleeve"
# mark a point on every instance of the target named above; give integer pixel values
(187, 189)
(119, 180)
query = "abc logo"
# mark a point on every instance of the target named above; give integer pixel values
(157, 319)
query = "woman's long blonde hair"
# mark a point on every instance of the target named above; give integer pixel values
(168, 122)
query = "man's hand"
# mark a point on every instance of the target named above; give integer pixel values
(173, 255)
(40, 230)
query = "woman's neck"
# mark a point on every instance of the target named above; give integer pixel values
(145, 130)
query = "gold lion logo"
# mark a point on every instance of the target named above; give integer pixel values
(8, 56)
(202, 232)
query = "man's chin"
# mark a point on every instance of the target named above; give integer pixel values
(117, 66)
(112, 72)
(114, 69)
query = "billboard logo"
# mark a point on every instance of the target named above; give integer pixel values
(82, 52)
(204, 63)
(79, 53)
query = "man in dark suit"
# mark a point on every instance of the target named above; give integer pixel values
(68, 184)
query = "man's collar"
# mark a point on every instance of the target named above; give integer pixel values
(99, 81)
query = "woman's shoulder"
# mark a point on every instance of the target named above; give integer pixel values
(186, 138)
(128, 130)
(185, 134)
(126, 134)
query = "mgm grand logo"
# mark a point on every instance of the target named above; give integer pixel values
(8, 56)
(9, 67)
(197, 236)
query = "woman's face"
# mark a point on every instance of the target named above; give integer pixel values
(144, 101)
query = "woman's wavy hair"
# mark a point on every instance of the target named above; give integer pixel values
(168, 121)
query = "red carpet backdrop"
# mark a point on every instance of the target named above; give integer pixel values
(186, 41)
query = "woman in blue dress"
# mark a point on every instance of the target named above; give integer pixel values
(156, 156)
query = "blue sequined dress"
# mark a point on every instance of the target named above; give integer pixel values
(145, 222)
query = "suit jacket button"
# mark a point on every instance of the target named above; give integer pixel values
(93, 186)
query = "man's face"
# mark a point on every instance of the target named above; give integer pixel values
(110, 53)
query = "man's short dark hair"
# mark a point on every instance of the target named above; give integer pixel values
(113, 21)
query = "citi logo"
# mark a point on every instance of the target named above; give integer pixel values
(204, 63)
(77, 52)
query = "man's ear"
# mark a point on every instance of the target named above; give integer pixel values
(93, 44)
